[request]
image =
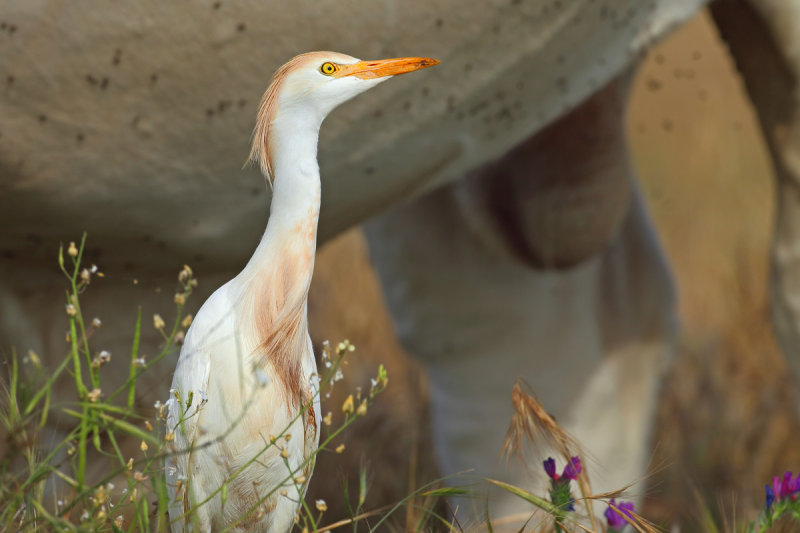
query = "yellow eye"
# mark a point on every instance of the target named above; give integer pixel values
(328, 68)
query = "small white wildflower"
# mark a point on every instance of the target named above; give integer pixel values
(71, 310)
(60, 503)
(373, 382)
(104, 356)
(84, 516)
(110, 486)
(33, 357)
(85, 275)
(72, 250)
(119, 521)
(328, 364)
(157, 405)
(96, 323)
(171, 470)
(182, 478)
(185, 274)
(158, 322)
(338, 376)
(139, 362)
(203, 396)
(261, 377)
(94, 395)
(321, 506)
(93, 270)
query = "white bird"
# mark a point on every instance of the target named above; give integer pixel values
(247, 361)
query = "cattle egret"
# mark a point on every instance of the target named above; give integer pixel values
(244, 405)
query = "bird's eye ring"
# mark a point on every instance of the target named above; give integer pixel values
(328, 68)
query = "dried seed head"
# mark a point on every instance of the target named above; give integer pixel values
(93, 395)
(285, 453)
(148, 425)
(85, 276)
(180, 337)
(362, 408)
(138, 476)
(321, 506)
(301, 479)
(328, 419)
(340, 448)
(119, 521)
(96, 322)
(130, 464)
(180, 298)
(158, 322)
(143, 446)
(347, 406)
(169, 437)
(532, 422)
(187, 321)
(71, 310)
(72, 250)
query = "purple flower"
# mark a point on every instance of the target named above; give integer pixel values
(615, 520)
(770, 496)
(550, 468)
(789, 486)
(573, 468)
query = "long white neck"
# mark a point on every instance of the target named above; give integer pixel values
(291, 233)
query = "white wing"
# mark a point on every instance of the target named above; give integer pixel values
(212, 326)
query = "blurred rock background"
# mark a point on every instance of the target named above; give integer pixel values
(727, 417)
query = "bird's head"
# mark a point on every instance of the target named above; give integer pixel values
(311, 85)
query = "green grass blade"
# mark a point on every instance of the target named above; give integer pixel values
(541, 503)
(137, 333)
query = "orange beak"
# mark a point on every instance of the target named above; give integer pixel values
(385, 67)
